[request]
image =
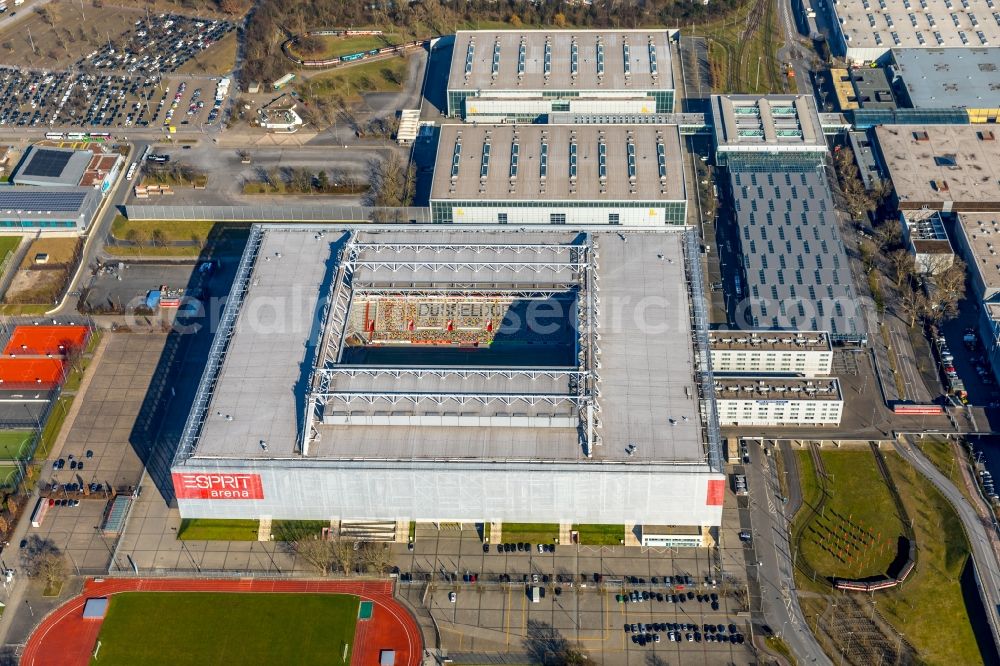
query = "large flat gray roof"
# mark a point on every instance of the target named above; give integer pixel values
(956, 77)
(934, 165)
(878, 24)
(768, 123)
(472, 62)
(796, 266)
(645, 381)
(469, 182)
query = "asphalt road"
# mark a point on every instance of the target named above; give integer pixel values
(981, 534)
(770, 527)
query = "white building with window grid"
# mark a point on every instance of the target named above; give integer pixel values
(619, 175)
(778, 401)
(774, 352)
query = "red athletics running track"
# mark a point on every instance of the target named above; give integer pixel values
(64, 638)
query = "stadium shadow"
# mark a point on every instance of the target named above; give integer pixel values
(160, 421)
(301, 388)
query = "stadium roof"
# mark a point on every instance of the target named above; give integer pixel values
(44, 166)
(958, 77)
(796, 266)
(938, 166)
(544, 60)
(643, 393)
(558, 163)
(772, 123)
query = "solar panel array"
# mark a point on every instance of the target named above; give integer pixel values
(32, 200)
(600, 57)
(626, 61)
(514, 149)
(522, 54)
(652, 58)
(548, 58)
(543, 162)
(574, 58)
(572, 159)
(469, 55)
(602, 160)
(496, 58)
(661, 160)
(456, 158)
(631, 160)
(47, 163)
(484, 166)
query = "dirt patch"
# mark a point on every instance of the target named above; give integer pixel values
(36, 286)
(218, 60)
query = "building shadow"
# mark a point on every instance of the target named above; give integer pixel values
(161, 418)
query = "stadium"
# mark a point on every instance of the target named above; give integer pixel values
(463, 376)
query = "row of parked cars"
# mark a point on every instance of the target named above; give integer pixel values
(158, 45)
(647, 633)
(637, 597)
(522, 547)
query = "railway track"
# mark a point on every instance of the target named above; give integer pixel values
(753, 22)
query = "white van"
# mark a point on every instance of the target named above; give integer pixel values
(536, 594)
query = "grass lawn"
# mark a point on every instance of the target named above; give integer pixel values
(929, 610)
(7, 245)
(15, 444)
(350, 81)
(57, 416)
(600, 535)
(292, 530)
(173, 230)
(530, 532)
(940, 453)
(8, 476)
(204, 529)
(162, 251)
(153, 628)
(216, 61)
(338, 46)
(857, 532)
(14, 309)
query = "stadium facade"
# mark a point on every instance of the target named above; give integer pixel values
(460, 375)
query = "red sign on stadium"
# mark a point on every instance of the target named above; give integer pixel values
(218, 486)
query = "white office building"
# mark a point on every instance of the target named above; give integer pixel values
(805, 353)
(770, 401)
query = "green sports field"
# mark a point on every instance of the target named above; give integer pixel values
(179, 628)
(15, 444)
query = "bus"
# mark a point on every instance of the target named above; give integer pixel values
(55, 136)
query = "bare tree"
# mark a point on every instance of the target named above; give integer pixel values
(946, 290)
(41, 559)
(903, 265)
(344, 554)
(317, 553)
(375, 556)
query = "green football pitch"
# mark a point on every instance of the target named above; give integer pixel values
(15, 444)
(153, 628)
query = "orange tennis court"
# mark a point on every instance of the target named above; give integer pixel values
(45, 340)
(28, 373)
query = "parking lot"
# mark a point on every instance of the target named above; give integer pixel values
(120, 85)
(108, 410)
(580, 596)
(123, 286)
(157, 45)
